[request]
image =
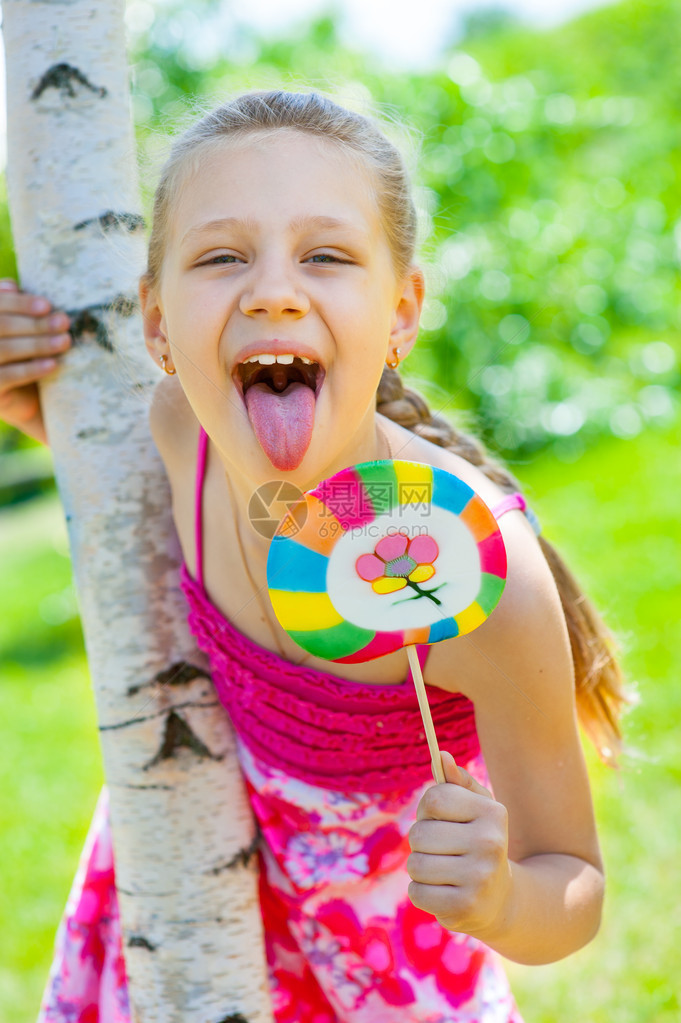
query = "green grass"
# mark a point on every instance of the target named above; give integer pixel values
(614, 513)
(50, 769)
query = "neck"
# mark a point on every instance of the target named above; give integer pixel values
(368, 444)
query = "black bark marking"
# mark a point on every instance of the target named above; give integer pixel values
(201, 704)
(87, 324)
(179, 674)
(137, 941)
(123, 305)
(139, 788)
(244, 856)
(234, 1017)
(178, 734)
(140, 892)
(90, 431)
(241, 858)
(63, 77)
(110, 220)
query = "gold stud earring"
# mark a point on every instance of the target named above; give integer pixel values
(163, 359)
(396, 362)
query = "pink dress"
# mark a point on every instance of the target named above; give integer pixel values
(343, 942)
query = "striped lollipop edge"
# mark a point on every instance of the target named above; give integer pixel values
(337, 639)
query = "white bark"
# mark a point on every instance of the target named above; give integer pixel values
(192, 933)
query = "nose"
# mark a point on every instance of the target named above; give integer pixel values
(272, 290)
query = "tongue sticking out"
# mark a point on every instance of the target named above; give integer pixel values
(282, 422)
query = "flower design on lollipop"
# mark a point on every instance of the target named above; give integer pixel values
(317, 575)
(399, 561)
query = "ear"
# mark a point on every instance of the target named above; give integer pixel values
(408, 311)
(153, 321)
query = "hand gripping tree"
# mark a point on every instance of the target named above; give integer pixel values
(182, 828)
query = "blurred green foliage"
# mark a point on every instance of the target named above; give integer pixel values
(545, 168)
(545, 179)
(546, 176)
(8, 266)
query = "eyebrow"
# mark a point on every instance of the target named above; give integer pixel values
(298, 224)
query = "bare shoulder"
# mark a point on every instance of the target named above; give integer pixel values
(516, 667)
(172, 422)
(526, 631)
(517, 670)
(412, 448)
(523, 645)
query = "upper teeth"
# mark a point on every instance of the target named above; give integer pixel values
(267, 359)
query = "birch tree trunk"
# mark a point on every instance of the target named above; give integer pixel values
(182, 826)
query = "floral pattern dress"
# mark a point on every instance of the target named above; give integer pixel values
(334, 771)
(344, 944)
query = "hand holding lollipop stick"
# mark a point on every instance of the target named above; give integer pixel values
(385, 555)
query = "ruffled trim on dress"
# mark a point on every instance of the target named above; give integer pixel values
(347, 736)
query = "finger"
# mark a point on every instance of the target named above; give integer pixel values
(20, 373)
(458, 776)
(20, 349)
(448, 803)
(451, 802)
(440, 900)
(14, 300)
(32, 347)
(35, 303)
(440, 838)
(13, 324)
(430, 869)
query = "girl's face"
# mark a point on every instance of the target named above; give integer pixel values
(275, 248)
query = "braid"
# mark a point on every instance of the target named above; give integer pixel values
(410, 409)
(598, 679)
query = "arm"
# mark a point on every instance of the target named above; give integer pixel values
(27, 326)
(520, 870)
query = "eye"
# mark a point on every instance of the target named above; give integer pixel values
(224, 259)
(327, 257)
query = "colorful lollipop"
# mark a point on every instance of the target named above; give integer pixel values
(385, 555)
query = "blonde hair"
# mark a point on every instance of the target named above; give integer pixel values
(264, 113)
(599, 686)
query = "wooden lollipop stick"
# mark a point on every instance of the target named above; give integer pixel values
(425, 714)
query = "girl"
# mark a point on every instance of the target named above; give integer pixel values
(280, 297)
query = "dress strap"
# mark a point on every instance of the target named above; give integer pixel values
(516, 501)
(509, 503)
(198, 518)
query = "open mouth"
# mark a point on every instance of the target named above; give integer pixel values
(280, 392)
(280, 376)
